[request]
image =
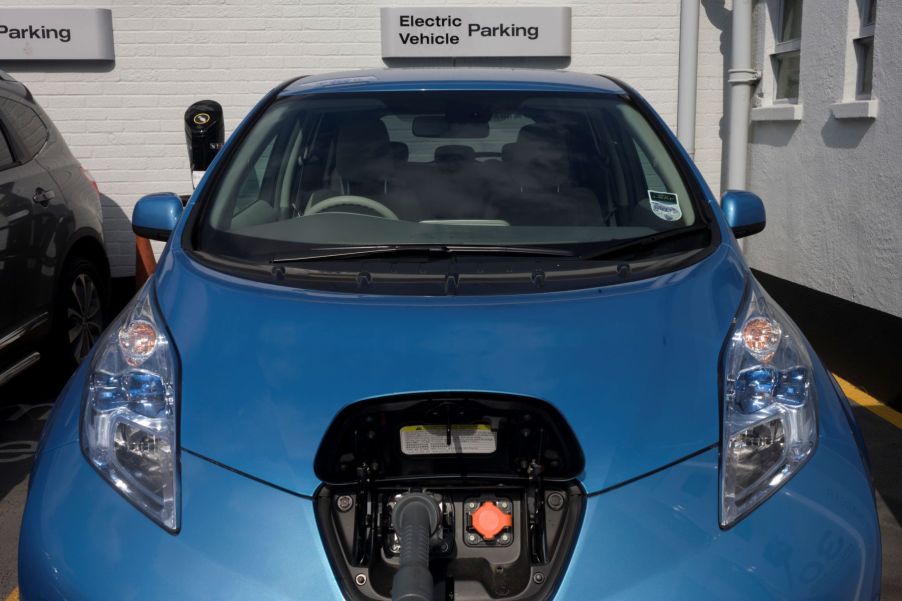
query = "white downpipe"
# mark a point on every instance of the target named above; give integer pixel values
(687, 84)
(742, 78)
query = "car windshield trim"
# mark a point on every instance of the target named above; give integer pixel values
(604, 251)
(365, 251)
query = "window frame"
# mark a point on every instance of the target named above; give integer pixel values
(11, 146)
(783, 49)
(863, 45)
(14, 136)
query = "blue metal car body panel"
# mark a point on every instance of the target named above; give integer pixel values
(655, 538)
(622, 363)
(259, 389)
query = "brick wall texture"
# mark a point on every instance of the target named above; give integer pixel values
(124, 121)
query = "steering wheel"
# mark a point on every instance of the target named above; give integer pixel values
(353, 201)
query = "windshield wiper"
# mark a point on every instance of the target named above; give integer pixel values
(425, 250)
(634, 245)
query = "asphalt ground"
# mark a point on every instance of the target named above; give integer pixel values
(26, 401)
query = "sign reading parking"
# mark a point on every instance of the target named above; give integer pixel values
(56, 34)
(452, 31)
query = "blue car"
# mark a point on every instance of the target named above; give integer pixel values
(438, 334)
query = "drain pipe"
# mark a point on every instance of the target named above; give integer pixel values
(687, 84)
(742, 78)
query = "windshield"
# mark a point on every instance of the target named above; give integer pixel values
(463, 169)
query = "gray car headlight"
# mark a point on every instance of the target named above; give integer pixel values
(129, 414)
(769, 406)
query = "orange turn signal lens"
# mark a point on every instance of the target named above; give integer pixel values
(137, 342)
(761, 337)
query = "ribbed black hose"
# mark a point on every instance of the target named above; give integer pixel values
(415, 518)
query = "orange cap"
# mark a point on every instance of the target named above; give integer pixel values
(488, 520)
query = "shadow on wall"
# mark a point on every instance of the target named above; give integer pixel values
(773, 133)
(48, 66)
(118, 238)
(846, 133)
(722, 19)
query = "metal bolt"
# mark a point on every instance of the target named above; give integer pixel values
(471, 505)
(556, 501)
(505, 537)
(344, 502)
(444, 547)
(360, 579)
(503, 505)
(395, 547)
(471, 538)
(538, 577)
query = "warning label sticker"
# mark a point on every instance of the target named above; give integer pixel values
(433, 440)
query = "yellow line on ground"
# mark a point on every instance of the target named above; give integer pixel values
(870, 403)
(13, 596)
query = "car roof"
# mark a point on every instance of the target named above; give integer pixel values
(452, 78)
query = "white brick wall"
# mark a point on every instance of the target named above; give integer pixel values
(125, 123)
(831, 186)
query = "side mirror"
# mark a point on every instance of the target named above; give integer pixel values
(204, 133)
(744, 212)
(156, 215)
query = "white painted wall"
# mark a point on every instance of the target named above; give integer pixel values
(833, 188)
(124, 122)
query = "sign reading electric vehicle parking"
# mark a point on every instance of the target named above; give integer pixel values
(56, 34)
(453, 31)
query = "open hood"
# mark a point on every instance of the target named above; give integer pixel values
(632, 368)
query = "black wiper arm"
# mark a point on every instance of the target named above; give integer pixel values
(643, 243)
(362, 252)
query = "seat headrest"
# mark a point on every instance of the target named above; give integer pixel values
(400, 152)
(509, 152)
(363, 151)
(454, 153)
(542, 156)
(537, 131)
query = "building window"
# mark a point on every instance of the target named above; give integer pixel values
(864, 49)
(786, 58)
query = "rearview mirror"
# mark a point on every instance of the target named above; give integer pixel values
(204, 133)
(156, 215)
(744, 212)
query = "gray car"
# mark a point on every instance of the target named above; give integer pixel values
(54, 272)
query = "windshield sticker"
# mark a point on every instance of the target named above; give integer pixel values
(665, 205)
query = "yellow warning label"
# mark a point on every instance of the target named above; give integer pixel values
(433, 439)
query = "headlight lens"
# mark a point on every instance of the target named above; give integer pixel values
(770, 417)
(129, 415)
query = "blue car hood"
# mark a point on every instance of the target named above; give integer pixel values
(632, 367)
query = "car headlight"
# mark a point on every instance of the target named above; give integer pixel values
(769, 406)
(129, 414)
